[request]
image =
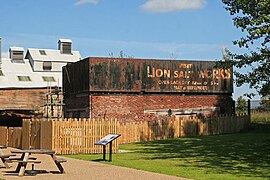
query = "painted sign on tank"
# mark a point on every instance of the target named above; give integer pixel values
(187, 77)
(158, 76)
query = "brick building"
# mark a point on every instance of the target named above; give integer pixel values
(131, 89)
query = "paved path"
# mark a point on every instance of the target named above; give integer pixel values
(80, 169)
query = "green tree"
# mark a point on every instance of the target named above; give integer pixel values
(253, 18)
(241, 105)
(265, 104)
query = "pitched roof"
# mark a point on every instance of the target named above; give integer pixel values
(20, 75)
(53, 55)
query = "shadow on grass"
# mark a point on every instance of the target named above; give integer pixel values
(243, 154)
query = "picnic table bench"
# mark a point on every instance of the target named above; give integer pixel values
(5, 157)
(25, 159)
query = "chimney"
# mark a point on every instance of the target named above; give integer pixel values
(65, 46)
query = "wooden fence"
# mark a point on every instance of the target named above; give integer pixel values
(67, 136)
(181, 126)
(3, 135)
(11, 136)
(73, 136)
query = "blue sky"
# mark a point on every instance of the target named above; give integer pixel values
(164, 29)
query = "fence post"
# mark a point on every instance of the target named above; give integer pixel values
(26, 134)
(249, 110)
(233, 108)
(249, 107)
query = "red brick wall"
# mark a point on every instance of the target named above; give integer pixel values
(22, 99)
(130, 106)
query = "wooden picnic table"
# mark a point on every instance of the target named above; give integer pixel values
(25, 158)
(3, 147)
(4, 157)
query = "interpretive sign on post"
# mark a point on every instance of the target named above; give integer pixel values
(107, 140)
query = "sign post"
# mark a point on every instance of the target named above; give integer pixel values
(107, 140)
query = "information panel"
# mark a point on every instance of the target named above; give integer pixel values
(107, 139)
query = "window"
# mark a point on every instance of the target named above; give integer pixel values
(66, 48)
(42, 52)
(24, 78)
(1, 72)
(47, 66)
(17, 55)
(48, 78)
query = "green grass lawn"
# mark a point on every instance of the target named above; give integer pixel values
(232, 156)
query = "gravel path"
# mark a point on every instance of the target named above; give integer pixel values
(80, 169)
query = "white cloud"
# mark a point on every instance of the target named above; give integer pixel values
(164, 6)
(80, 2)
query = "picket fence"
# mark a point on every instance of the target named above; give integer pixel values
(74, 136)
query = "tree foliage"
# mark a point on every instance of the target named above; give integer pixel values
(121, 55)
(265, 104)
(241, 105)
(253, 18)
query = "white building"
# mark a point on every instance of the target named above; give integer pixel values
(25, 77)
(38, 68)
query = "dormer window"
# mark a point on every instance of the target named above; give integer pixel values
(66, 48)
(64, 45)
(47, 66)
(16, 54)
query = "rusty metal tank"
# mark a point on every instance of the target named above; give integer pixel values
(130, 75)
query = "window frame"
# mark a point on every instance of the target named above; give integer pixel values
(47, 66)
(42, 52)
(48, 79)
(24, 78)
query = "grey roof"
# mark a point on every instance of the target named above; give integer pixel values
(53, 55)
(21, 75)
(12, 71)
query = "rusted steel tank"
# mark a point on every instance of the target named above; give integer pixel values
(130, 75)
